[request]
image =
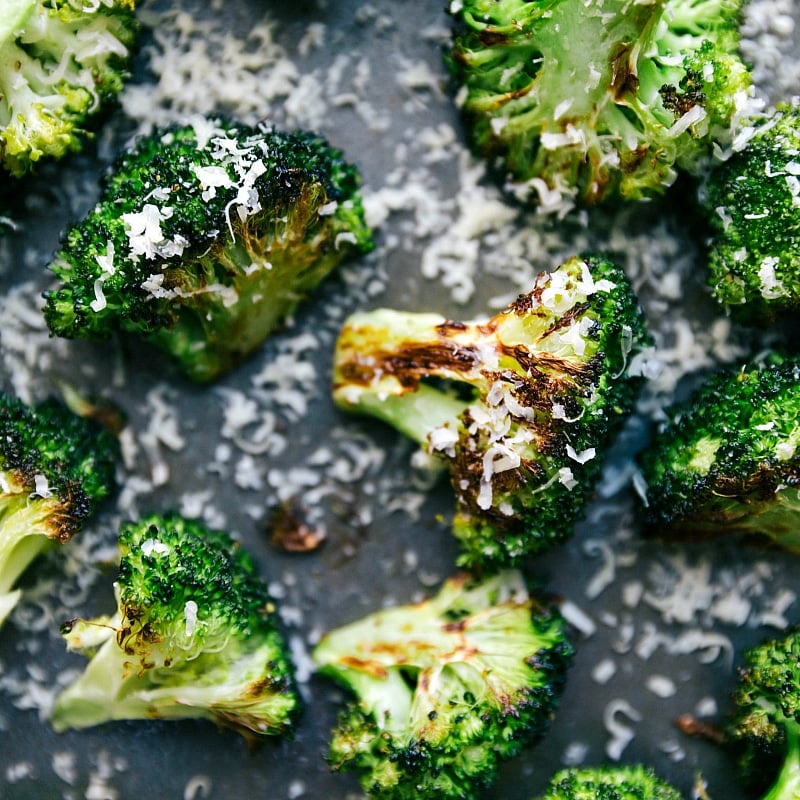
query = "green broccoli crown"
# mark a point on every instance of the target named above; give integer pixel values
(751, 203)
(194, 635)
(447, 688)
(206, 238)
(618, 782)
(61, 64)
(55, 467)
(765, 723)
(726, 460)
(586, 101)
(518, 408)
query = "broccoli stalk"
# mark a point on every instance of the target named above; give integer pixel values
(618, 782)
(447, 688)
(194, 636)
(750, 202)
(61, 65)
(55, 467)
(207, 237)
(587, 101)
(765, 725)
(725, 462)
(518, 407)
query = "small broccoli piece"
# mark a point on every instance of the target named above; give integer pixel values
(62, 62)
(447, 688)
(519, 407)
(764, 730)
(206, 238)
(618, 782)
(726, 460)
(55, 467)
(588, 101)
(194, 636)
(751, 202)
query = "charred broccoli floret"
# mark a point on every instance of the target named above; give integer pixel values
(765, 726)
(726, 461)
(518, 407)
(55, 467)
(751, 203)
(193, 636)
(618, 782)
(594, 100)
(206, 238)
(61, 64)
(445, 689)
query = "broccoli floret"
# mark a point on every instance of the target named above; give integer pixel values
(764, 730)
(618, 782)
(62, 62)
(193, 636)
(447, 688)
(55, 468)
(751, 203)
(595, 100)
(726, 460)
(519, 407)
(206, 238)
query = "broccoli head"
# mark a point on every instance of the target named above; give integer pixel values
(593, 100)
(764, 729)
(751, 204)
(726, 461)
(447, 688)
(618, 782)
(62, 62)
(193, 636)
(206, 238)
(55, 467)
(518, 407)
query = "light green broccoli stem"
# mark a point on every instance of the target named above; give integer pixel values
(787, 785)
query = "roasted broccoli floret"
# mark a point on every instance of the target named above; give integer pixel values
(518, 407)
(62, 62)
(618, 782)
(592, 100)
(751, 203)
(206, 238)
(726, 461)
(193, 636)
(55, 467)
(765, 726)
(445, 689)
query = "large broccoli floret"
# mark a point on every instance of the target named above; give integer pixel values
(55, 467)
(618, 782)
(598, 99)
(194, 636)
(765, 725)
(726, 461)
(518, 407)
(751, 203)
(445, 689)
(207, 237)
(61, 63)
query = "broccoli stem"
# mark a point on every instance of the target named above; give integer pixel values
(787, 785)
(12, 16)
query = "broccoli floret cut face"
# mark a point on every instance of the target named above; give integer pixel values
(618, 782)
(518, 408)
(764, 729)
(447, 688)
(726, 461)
(206, 239)
(62, 63)
(55, 468)
(193, 636)
(751, 204)
(580, 102)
